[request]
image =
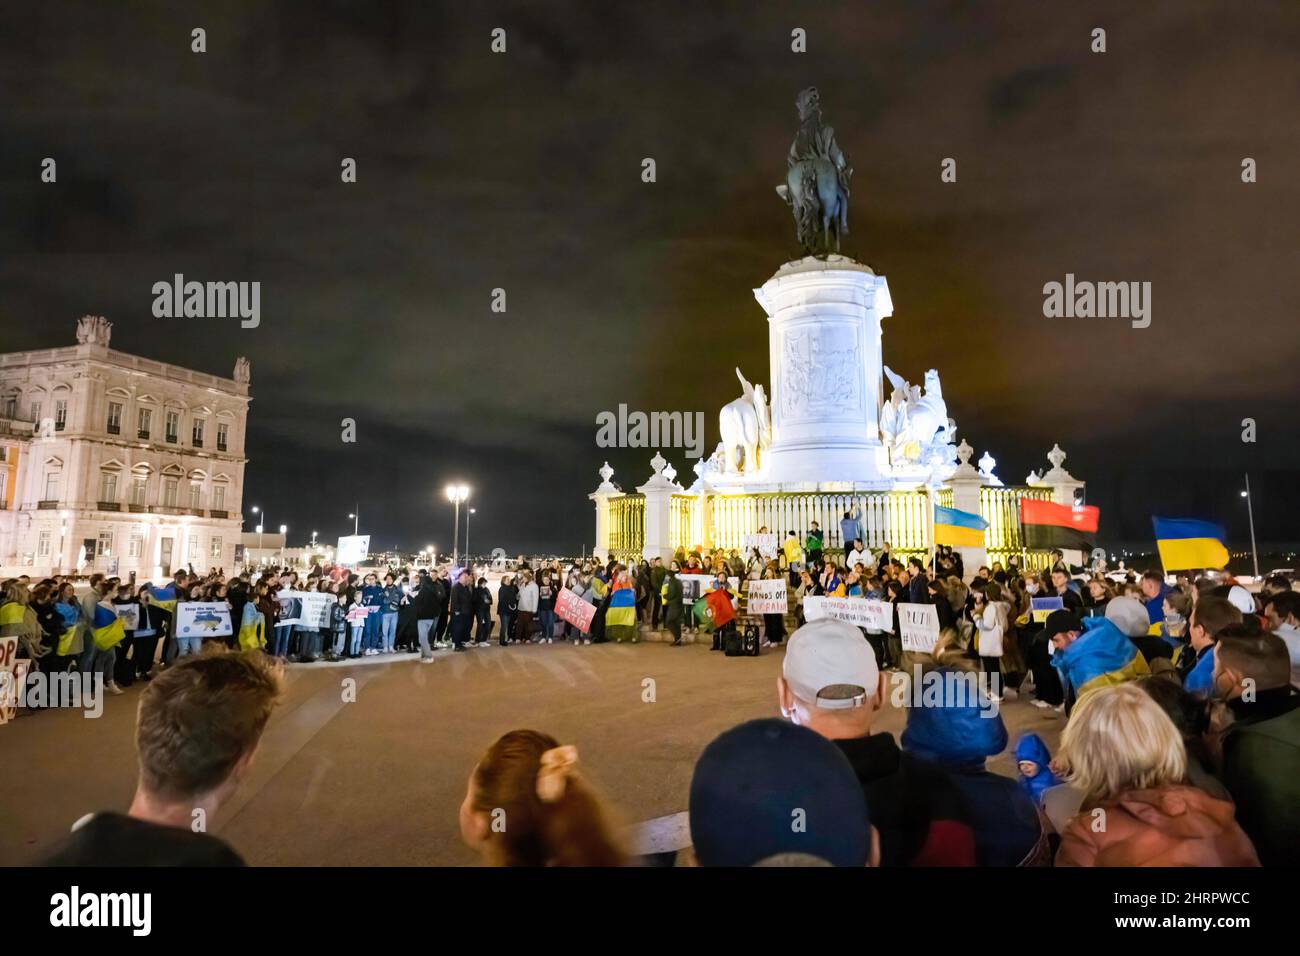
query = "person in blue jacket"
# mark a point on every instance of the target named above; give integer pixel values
(1033, 759)
(958, 735)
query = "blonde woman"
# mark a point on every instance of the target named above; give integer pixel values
(1126, 756)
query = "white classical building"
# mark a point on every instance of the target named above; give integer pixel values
(117, 463)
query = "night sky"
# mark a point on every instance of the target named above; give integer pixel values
(523, 171)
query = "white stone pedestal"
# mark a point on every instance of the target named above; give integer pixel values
(824, 341)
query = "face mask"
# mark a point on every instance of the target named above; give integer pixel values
(1032, 588)
(1174, 618)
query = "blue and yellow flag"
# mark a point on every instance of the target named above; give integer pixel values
(622, 608)
(68, 614)
(1100, 657)
(1188, 543)
(165, 598)
(960, 529)
(107, 628)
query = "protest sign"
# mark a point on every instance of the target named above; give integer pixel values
(130, 615)
(860, 612)
(353, 550)
(309, 609)
(767, 597)
(694, 585)
(203, 619)
(357, 613)
(918, 626)
(570, 607)
(1042, 607)
(9, 672)
(765, 544)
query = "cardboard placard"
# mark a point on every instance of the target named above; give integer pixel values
(918, 626)
(571, 608)
(203, 619)
(768, 597)
(873, 614)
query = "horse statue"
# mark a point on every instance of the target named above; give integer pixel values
(913, 422)
(817, 180)
(745, 427)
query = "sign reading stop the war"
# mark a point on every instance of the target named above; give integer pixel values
(570, 607)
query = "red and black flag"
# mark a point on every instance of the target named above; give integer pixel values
(1049, 525)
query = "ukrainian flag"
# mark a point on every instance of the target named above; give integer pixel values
(1187, 543)
(622, 608)
(165, 598)
(69, 614)
(1101, 657)
(107, 628)
(960, 529)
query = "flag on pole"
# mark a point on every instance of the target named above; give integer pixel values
(958, 528)
(1189, 543)
(1049, 525)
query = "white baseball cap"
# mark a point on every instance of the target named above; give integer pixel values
(825, 653)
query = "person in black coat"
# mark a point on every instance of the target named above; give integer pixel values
(483, 612)
(507, 606)
(462, 611)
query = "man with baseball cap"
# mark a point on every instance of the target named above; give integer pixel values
(832, 685)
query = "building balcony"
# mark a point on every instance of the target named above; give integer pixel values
(108, 506)
(47, 505)
(136, 509)
(197, 512)
(167, 510)
(171, 439)
(142, 435)
(115, 429)
(58, 426)
(218, 513)
(197, 442)
(222, 446)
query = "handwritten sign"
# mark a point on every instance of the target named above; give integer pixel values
(1042, 607)
(918, 627)
(357, 613)
(765, 544)
(130, 615)
(768, 597)
(860, 612)
(571, 608)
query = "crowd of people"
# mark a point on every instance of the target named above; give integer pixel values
(1179, 700)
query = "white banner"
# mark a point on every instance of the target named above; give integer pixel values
(353, 550)
(918, 626)
(765, 543)
(694, 586)
(768, 597)
(309, 609)
(203, 619)
(870, 613)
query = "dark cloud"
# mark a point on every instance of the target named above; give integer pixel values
(522, 172)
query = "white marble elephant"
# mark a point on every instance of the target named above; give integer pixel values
(745, 428)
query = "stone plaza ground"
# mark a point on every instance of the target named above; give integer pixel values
(379, 781)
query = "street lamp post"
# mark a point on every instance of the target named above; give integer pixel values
(356, 520)
(472, 511)
(1250, 511)
(456, 494)
(284, 531)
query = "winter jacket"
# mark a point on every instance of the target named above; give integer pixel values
(462, 599)
(1168, 826)
(427, 601)
(1261, 769)
(672, 600)
(528, 598)
(992, 625)
(507, 599)
(958, 737)
(1032, 748)
(482, 603)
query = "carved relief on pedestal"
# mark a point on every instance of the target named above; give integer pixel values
(821, 373)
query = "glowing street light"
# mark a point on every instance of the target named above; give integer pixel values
(456, 494)
(1250, 511)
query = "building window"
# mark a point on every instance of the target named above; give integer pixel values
(135, 544)
(196, 496)
(143, 420)
(214, 551)
(60, 414)
(194, 548)
(115, 418)
(105, 543)
(219, 497)
(196, 433)
(173, 426)
(108, 486)
(169, 492)
(36, 412)
(43, 544)
(51, 486)
(223, 436)
(139, 487)
(11, 406)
